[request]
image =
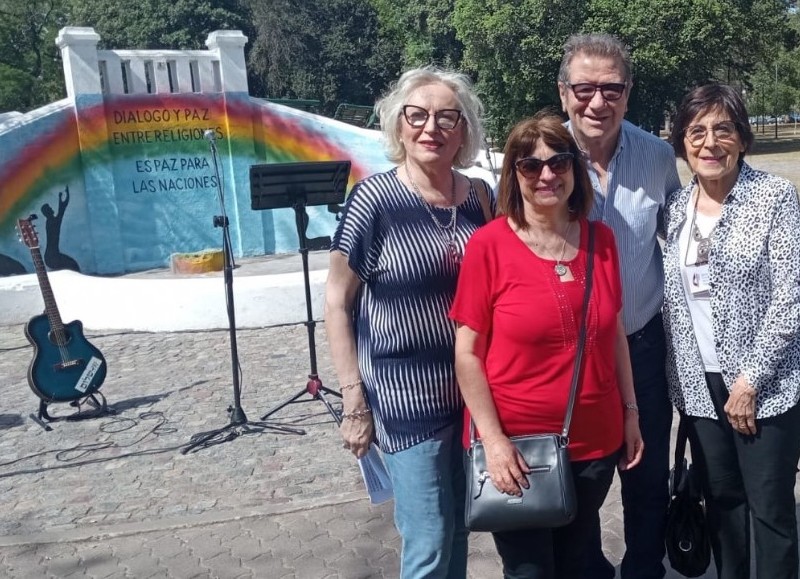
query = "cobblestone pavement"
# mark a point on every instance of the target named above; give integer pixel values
(114, 497)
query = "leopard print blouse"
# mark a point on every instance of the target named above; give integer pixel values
(754, 268)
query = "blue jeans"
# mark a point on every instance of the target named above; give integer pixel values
(429, 493)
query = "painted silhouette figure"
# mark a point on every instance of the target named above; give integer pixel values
(53, 258)
(10, 266)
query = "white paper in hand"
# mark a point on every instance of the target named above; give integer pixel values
(376, 477)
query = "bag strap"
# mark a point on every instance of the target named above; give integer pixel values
(680, 449)
(482, 190)
(576, 371)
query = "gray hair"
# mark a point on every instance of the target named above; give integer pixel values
(389, 109)
(603, 45)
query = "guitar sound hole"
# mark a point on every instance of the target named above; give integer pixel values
(58, 338)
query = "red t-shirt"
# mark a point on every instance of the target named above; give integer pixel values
(531, 318)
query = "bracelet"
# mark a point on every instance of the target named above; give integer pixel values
(631, 406)
(357, 384)
(356, 414)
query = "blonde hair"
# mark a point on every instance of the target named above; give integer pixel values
(390, 106)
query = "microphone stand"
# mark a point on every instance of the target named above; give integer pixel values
(239, 424)
(489, 159)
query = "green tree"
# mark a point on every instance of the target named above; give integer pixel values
(328, 50)
(350, 50)
(148, 24)
(789, 65)
(423, 31)
(676, 45)
(672, 44)
(774, 86)
(16, 88)
(514, 50)
(514, 47)
(31, 72)
(766, 94)
(30, 66)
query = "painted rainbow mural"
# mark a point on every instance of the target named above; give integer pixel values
(139, 181)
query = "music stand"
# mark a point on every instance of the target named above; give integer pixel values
(298, 185)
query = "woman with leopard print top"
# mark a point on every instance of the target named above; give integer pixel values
(732, 318)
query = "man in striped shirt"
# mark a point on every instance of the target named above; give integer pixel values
(632, 173)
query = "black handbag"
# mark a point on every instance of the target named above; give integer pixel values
(687, 543)
(549, 501)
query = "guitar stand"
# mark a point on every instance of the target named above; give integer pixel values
(99, 408)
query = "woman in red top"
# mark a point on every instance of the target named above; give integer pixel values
(518, 306)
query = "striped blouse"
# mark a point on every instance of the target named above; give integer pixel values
(405, 340)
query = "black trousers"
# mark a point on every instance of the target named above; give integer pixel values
(560, 553)
(748, 477)
(645, 488)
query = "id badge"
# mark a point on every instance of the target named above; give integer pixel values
(697, 281)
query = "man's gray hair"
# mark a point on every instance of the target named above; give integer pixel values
(389, 109)
(603, 45)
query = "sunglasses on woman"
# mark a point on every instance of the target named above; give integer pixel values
(531, 167)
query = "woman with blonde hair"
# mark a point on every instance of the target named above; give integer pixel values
(395, 259)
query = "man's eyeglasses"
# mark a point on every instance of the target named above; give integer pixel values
(445, 119)
(724, 131)
(585, 91)
(531, 167)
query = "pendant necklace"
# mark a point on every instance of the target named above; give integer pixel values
(447, 230)
(559, 268)
(703, 242)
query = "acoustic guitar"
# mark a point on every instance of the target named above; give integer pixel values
(65, 366)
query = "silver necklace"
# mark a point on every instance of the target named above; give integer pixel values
(560, 269)
(703, 242)
(447, 230)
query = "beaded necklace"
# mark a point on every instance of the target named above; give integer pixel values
(447, 230)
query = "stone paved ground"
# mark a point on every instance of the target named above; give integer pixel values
(114, 497)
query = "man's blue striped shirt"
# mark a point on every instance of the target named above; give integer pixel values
(641, 175)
